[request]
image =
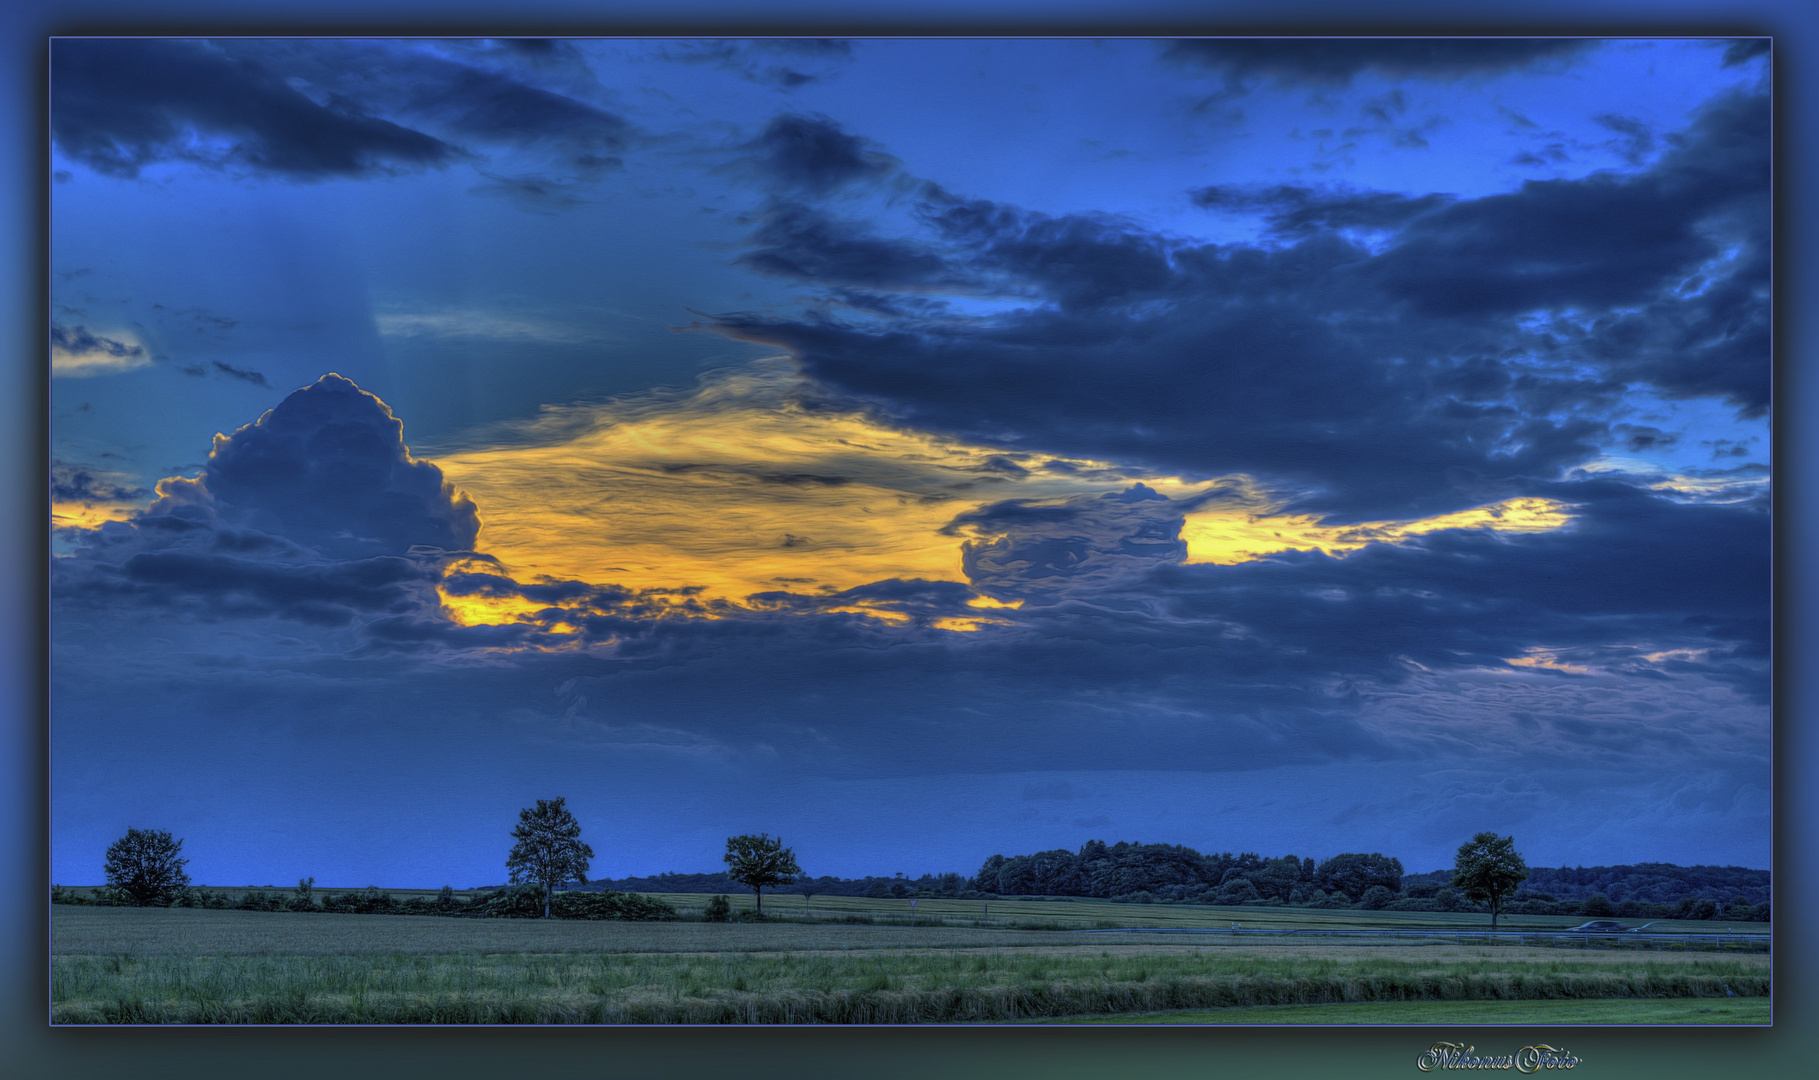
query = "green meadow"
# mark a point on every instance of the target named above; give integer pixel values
(145, 965)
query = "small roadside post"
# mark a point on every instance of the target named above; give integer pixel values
(912, 912)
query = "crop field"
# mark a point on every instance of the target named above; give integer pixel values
(124, 965)
(1072, 913)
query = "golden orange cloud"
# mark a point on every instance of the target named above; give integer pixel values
(744, 485)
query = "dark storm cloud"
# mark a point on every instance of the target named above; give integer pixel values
(1608, 243)
(1745, 50)
(1479, 351)
(799, 242)
(811, 154)
(1635, 574)
(120, 105)
(1635, 139)
(80, 342)
(1337, 61)
(312, 591)
(1297, 210)
(495, 108)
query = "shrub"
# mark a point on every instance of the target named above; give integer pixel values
(1376, 898)
(61, 895)
(718, 910)
(260, 900)
(609, 905)
(752, 915)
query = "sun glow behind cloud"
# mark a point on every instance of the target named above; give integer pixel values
(748, 485)
(1221, 536)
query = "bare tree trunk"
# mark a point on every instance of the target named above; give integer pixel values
(760, 895)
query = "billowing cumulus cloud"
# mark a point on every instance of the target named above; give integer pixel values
(315, 512)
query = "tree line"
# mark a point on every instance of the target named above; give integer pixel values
(1173, 874)
(145, 867)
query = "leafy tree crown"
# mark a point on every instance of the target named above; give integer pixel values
(1489, 867)
(760, 861)
(548, 848)
(145, 866)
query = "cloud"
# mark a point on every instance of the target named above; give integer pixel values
(313, 109)
(811, 154)
(1294, 210)
(244, 375)
(779, 63)
(1744, 50)
(119, 105)
(85, 496)
(1475, 349)
(77, 352)
(459, 324)
(324, 474)
(1337, 61)
(804, 244)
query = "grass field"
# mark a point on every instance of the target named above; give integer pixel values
(124, 965)
(1074, 913)
(1474, 1013)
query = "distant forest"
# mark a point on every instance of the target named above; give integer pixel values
(1172, 874)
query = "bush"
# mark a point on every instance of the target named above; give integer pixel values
(61, 895)
(369, 901)
(1376, 898)
(260, 900)
(719, 909)
(749, 915)
(609, 905)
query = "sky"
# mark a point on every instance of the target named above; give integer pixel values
(918, 449)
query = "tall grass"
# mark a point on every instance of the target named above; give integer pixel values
(793, 988)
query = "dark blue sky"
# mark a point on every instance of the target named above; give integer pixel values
(918, 449)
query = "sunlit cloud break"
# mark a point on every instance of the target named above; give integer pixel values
(749, 484)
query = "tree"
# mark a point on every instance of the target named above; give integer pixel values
(1489, 868)
(549, 851)
(1279, 877)
(1353, 874)
(757, 861)
(144, 867)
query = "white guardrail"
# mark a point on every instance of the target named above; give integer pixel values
(1509, 937)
